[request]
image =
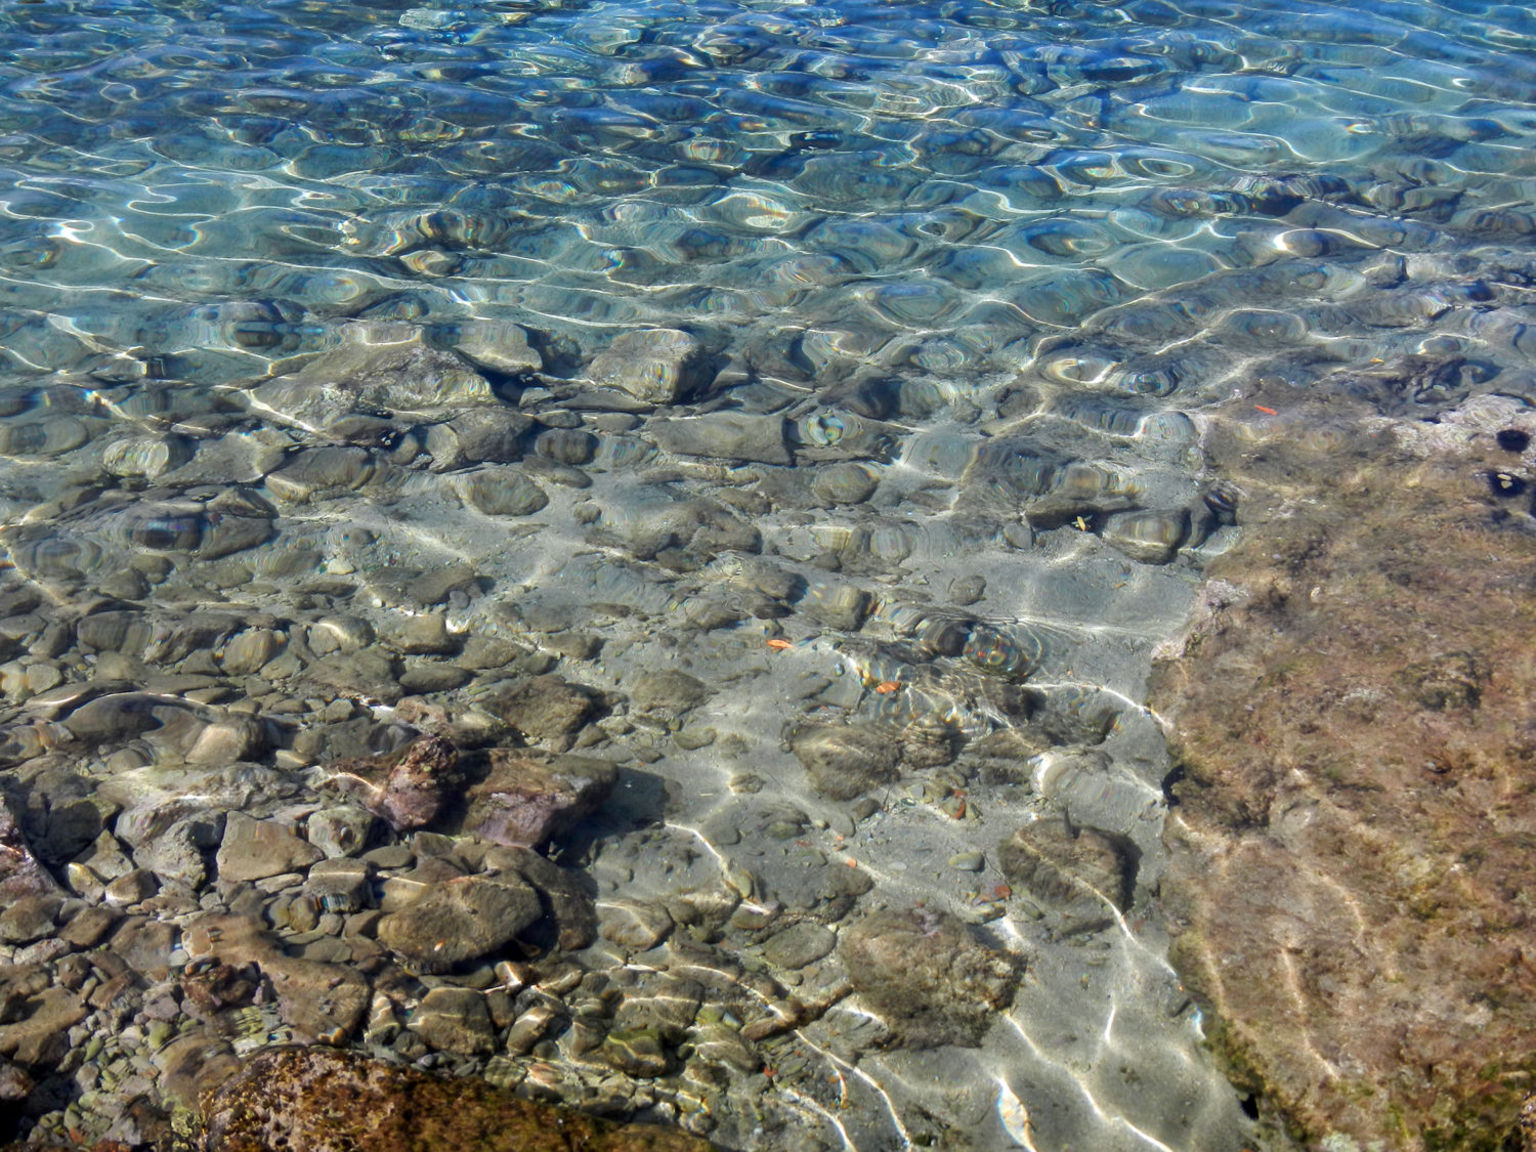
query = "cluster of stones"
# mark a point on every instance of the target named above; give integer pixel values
(199, 678)
(215, 909)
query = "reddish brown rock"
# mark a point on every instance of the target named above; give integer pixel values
(407, 787)
(324, 1101)
(1355, 827)
(528, 797)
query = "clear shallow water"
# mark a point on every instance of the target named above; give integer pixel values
(988, 260)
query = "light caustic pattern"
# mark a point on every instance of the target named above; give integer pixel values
(958, 280)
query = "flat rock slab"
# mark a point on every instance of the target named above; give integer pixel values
(324, 1101)
(1355, 828)
(255, 849)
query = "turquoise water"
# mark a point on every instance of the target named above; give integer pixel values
(308, 323)
(952, 186)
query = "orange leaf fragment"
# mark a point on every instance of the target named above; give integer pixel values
(886, 687)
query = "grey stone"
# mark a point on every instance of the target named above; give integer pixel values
(844, 760)
(724, 435)
(658, 366)
(89, 926)
(254, 849)
(341, 885)
(245, 652)
(427, 678)
(930, 978)
(501, 492)
(175, 854)
(339, 831)
(145, 945)
(834, 604)
(663, 1002)
(131, 888)
(380, 367)
(799, 944)
(229, 741)
(320, 471)
(668, 690)
(369, 673)
(39, 1038)
(455, 1020)
(843, 484)
(460, 919)
(636, 924)
(497, 346)
(1148, 536)
(479, 436)
(435, 585)
(29, 918)
(426, 635)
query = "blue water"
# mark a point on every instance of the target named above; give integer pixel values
(965, 180)
(960, 278)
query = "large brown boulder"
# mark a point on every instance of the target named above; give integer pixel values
(321, 1100)
(1354, 831)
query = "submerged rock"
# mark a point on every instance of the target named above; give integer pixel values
(325, 1101)
(319, 1001)
(1081, 872)
(21, 875)
(927, 976)
(407, 787)
(845, 760)
(1353, 835)
(379, 367)
(658, 366)
(529, 797)
(460, 920)
(544, 708)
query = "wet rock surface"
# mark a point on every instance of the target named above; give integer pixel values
(927, 976)
(1351, 717)
(330, 1101)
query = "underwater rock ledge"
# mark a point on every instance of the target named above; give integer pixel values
(1353, 825)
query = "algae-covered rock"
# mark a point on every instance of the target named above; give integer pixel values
(1082, 873)
(326, 1101)
(846, 760)
(927, 976)
(1355, 826)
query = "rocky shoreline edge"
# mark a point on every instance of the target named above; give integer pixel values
(1352, 823)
